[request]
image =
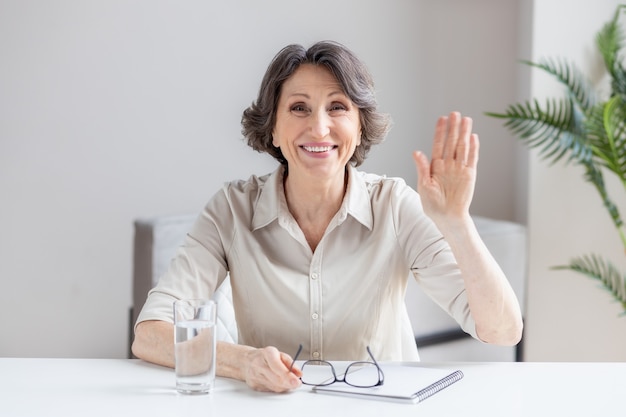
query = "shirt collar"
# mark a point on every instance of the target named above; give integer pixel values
(270, 199)
(357, 200)
(271, 202)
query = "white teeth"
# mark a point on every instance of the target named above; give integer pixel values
(317, 148)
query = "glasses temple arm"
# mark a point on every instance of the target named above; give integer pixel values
(380, 371)
(295, 358)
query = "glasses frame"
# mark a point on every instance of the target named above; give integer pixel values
(381, 375)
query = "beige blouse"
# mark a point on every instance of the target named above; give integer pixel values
(346, 295)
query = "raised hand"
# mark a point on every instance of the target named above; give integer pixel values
(446, 183)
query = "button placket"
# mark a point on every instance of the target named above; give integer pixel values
(315, 305)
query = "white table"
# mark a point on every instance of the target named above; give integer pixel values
(114, 388)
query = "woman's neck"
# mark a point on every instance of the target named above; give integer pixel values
(314, 203)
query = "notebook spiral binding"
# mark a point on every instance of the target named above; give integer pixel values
(438, 386)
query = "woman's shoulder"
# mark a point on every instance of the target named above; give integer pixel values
(247, 192)
(380, 182)
(252, 184)
(387, 191)
(239, 196)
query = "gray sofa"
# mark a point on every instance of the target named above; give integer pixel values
(438, 337)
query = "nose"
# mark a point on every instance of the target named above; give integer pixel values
(320, 124)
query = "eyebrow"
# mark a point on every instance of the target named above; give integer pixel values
(305, 95)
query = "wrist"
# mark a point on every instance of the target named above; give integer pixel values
(455, 227)
(233, 360)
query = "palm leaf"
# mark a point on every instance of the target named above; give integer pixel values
(578, 86)
(610, 42)
(594, 175)
(606, 132)
(593, 266)
(556, 130)
(614, 155)
(618, 81)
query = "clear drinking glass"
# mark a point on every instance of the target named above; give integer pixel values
(194, 345)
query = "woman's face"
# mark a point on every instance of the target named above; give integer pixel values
(317, 126)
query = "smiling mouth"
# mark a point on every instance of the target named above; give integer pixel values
(318, 149)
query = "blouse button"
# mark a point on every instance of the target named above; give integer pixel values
(314, 316)
(316, 355)
(313, 275)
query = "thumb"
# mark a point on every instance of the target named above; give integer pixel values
(422, 165)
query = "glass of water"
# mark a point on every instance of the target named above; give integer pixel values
(194, 345)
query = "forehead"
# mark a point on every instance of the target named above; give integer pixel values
(310, 76)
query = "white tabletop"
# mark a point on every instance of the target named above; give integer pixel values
(112, 387)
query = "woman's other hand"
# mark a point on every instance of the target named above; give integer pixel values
(267, 369)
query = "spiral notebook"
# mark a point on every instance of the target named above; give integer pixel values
(412, 384)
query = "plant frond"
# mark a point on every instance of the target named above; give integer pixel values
(556, 130)
(578, 86)
(594, 175)
(610, 40)
(606, 132)
(618, 81)
(614, 154)
(595, 267)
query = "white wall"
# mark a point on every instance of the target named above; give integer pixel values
(113, 110)
(570, 317)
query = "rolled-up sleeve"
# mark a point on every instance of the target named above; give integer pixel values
(198, 267)
(430, 258)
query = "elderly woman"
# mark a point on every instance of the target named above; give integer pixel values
(318, 252)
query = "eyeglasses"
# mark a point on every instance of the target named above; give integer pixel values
(361, 374)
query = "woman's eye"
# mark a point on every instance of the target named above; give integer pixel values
(337, 107)
(298, 108)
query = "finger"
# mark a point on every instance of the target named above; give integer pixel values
(463, 143)
(452, 135)
(288, 361)
(441, 129)
(474, 147)
(279, 364)
(422, 166)
(293, 372)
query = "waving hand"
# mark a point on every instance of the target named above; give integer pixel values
(446, 183)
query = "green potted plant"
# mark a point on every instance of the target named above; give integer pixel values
(586, 129)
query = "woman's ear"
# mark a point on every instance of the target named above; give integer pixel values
(274, 141)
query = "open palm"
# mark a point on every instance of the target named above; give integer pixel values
(446, 183)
